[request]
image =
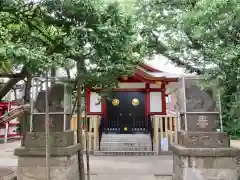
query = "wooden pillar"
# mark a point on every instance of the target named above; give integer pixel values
(96, 123)
(6, 132)
(147, 99)
(90, 134)
(170, 129)
(156, 136)
(175, 129)
(164, 108)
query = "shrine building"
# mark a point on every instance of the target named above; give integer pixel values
(133, 102)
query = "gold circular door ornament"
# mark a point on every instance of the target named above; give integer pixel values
(135, 102)
(125, 129)
(115, 102)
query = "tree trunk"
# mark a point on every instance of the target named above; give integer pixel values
(53, 74)
(8, 86)
(26, 118)
(79, 121)
(68, 73)
(87, 140)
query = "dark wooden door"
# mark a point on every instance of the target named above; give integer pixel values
(116, 110)
(136, 111)
(126, 112)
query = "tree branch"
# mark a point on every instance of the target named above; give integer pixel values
(8, 86)
(15, 76)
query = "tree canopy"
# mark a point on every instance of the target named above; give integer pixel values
(50, 34)
(203, 37)
(108, 40)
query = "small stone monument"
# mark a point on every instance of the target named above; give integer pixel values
(202, 153)
(63, 162)
(59, 109)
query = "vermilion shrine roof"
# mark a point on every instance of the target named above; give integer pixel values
(149, 74)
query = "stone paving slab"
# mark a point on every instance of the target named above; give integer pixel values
(108, 167)
(235, 143)
(160, 165)
(125, 177)
(130, 177)
(6, 173)
(105, 164)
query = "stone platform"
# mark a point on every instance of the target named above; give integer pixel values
(109, 168)
(63, 162)
(205, 163)
(203, 139)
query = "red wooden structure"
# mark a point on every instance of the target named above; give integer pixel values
(5, 107)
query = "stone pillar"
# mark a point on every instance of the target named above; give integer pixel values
(63, 157)
(201, 152)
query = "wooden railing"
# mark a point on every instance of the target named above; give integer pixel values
(93, 123)
(165, 131)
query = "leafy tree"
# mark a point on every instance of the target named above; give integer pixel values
(101, 40)
(203, 37)
(22, 45)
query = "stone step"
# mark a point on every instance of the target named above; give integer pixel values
(126, 139)
(125, 143)
(124, 153)
(126, 135)
(132, 139)
(126, 149)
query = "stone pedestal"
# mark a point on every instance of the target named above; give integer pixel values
(205, 163)
(204, 154)
(63, 157)
(201, 152)
(203, 139)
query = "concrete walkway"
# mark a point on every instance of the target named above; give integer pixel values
(106, 167)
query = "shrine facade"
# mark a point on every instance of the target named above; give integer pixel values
(130, 105)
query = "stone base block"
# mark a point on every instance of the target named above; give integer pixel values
(61, 168)
(63, 163)
(205, 163)
(56, 139)
(203, 139)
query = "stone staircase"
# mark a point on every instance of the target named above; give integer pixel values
(124, 145)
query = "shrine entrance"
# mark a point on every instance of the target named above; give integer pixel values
(126, 113)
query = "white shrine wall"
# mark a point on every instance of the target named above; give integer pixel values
(95, 104)
(155, 102)
(131, 85)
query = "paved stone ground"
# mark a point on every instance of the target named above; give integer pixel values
(235, 143)
(105, 167)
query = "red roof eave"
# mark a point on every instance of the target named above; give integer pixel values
(149, 68)
(147, 77)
